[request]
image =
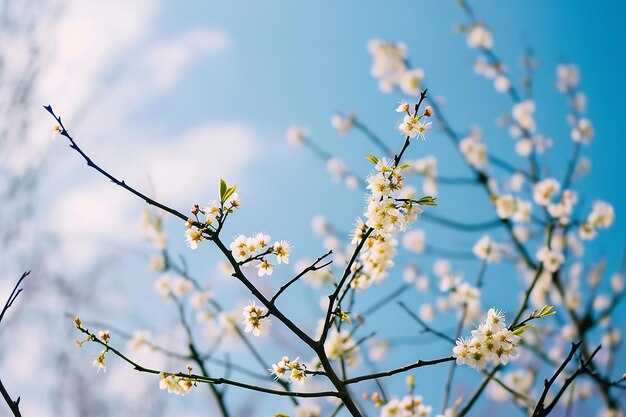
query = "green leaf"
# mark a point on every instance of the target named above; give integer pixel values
(229, 192)
(223, 188)
(547, 311)
(520, 330)
(372, 158)
(280, 415)
(427, 201)
(404, 166)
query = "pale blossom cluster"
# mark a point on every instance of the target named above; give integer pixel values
(343, 124)
(409, 406)
(563, 209)
(177, 385)
(493, 71)
(254, 319)
(601, 217)
(257, 248)
(460, 295)
(545, 190)
(387, 216)
(479, 37)
(552, 259)
(474, 150)
(523, 114)
(491, 343)
(414, 240)
(488, 250)
(296, 136)
(521, 381)
(412, 126)
(427, 167)
(213, 212)
(389, 66)
(568, 77)
(295, 369)
(583, 131)
(167, 286)
(341, 345)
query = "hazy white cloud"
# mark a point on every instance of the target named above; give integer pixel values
(165, 61)
(181, 171)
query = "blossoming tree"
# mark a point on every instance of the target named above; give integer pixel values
(539, 233)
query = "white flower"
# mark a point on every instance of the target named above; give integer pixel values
(551, 259)
(506, 205)
(341, 123)
(523, 114)
(491, 342)
(544, 190)
(378, 350)
(157, 263)
(487, 250)
(583, 132)
(568, 77)
(461, 351)
(163, 286)
(336, 168)
(427, 312)
(403, 107)
(98, 362)
(617, 282)
(388, 63)
(140, 338)
(422, 129)
(193, 237)
(282, 250)
(320, 225)
(479, 37)
(410, 82)
(602, 215)
(426, 166)
(474, 151)
(240, 248)
(414, 241)
(175, 384)
(502, 84)
(295, 136)
(180, 286)
(341, 345)
(524, 147)
(200, 299)
(253, 319)
(264, 268)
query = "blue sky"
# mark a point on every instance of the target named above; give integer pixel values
(261, 67)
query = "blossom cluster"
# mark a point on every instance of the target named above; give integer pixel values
(491, 342)
(177, 385)
(257, 247)
(409, 406)
(386, 215)
(341, 345)
(488, 250)
(390, 67)
(254, 319)
(214, 212)
(295, 368)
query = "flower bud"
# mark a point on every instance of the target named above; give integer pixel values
(195, 209)
(428, 111)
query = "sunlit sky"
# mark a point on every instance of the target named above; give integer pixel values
(173, 98)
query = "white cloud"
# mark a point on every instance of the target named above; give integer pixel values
(182, 171)
(165, 61)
